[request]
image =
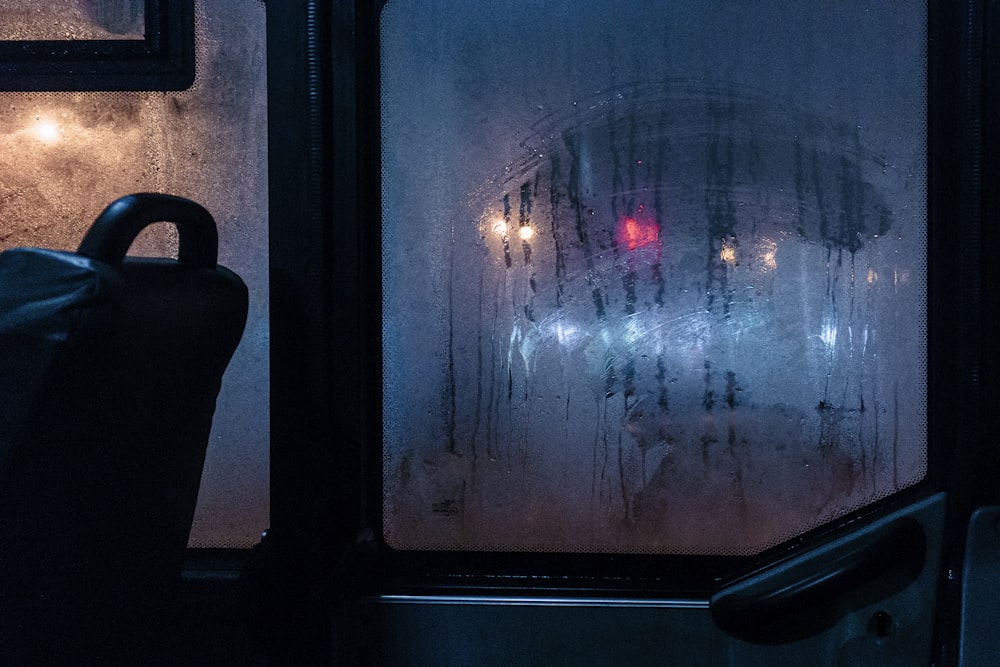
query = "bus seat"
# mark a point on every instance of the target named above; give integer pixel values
(109, 371)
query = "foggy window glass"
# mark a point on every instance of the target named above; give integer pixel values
(65, 156)
(653, 273)
(71, 19)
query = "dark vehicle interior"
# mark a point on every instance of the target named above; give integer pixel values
(410, 332)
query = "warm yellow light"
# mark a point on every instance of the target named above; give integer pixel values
(769, 256)
(499, 227)
(769, 261)
(47, 131)
(728, 253)
(872, 276)
(526, 232)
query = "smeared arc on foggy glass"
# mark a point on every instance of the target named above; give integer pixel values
(694, 350)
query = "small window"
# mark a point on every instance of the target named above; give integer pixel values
(653, 274)
(64, 45)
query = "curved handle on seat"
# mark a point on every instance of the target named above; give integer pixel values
(117, 226)
(811, 593)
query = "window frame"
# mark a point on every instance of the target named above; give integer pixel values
(628, 574)
(326, 458)
(326, 334)
(162, 60)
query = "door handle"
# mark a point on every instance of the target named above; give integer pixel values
(811, 592)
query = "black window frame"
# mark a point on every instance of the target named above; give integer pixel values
(695, 576)
(163, 60)
(326, 336)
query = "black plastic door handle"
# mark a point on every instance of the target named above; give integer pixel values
(810, 593)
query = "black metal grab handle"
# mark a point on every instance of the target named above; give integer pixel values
(812, 593)
(117, 226)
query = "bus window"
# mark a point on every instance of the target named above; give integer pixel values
(653, 275)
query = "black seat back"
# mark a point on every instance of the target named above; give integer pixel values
(109, 370)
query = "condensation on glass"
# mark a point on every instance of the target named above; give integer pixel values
(65, 156)
(71, 19)
(653, 273)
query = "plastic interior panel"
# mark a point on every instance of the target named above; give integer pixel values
(980, 641)
(505, 631)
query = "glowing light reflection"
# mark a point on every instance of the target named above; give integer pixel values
(635, 232)
(47, 131)
(728, 252)
(633, 333)
(828, 334)
(769, 255)
(568, 334)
